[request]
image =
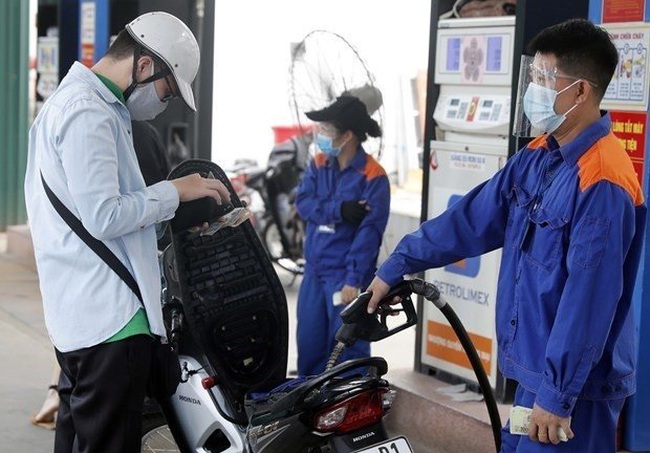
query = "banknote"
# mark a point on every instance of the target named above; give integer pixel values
(232, 219)
(520, 418)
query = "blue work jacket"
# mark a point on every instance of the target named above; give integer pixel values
(571, 222)
(336, 249)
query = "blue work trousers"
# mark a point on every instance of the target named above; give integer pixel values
(318, 321)
(593, 424)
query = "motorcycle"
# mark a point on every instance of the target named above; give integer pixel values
(278, 224)
(226, 314)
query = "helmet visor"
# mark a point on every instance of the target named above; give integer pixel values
(186, 93)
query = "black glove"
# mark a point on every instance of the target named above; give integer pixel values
(353, 212)
(194, 213)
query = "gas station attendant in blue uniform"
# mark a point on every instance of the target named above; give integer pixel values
(569, 213)
(344, 199)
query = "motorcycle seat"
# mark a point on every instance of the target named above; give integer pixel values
(232, 299)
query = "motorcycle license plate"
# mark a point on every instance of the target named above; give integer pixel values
(395, 445)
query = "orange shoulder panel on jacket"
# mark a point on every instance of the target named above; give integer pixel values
(607, 160)
(320, 159)
(537, 142)
(372, 169)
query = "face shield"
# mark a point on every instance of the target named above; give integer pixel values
(529, 72)
(536, 94)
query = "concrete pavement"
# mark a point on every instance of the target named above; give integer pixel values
(26, 356)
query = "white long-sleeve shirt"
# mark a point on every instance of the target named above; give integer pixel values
(81, 142)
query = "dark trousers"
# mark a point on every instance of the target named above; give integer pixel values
(102, 390)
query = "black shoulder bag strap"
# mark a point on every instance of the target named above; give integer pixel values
(166, 372)
(96, 245)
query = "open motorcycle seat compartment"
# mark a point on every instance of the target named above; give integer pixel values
(232, 299)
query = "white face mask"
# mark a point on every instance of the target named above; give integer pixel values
(144, 103)
(539, 107)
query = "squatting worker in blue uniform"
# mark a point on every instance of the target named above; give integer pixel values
(81, 143)
(568, 211)
(344, 199)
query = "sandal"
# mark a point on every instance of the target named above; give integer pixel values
(50, 422)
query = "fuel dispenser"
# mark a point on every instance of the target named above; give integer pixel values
(474, 71)
(626, 98)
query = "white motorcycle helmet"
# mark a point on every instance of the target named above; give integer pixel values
(172, 41)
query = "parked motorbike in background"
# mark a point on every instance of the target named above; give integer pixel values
(276, 220)
(243, 171)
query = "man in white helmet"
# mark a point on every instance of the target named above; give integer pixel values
(81, 146)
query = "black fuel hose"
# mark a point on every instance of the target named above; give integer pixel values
(431, 293)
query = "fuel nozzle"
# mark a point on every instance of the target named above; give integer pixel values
(358, 324)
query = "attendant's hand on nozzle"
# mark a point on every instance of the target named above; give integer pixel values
(379, 289)
(194, 186)
(354, 211)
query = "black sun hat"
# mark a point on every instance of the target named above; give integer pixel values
(349, 113)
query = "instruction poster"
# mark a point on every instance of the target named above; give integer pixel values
(629, 86)
(47, 65)
(630, 129)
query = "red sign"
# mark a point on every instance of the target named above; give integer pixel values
(623, 10)
(629, 128)
(88, 55)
